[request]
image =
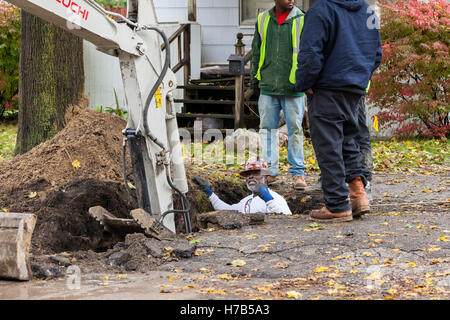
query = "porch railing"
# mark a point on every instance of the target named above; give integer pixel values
(183, 38)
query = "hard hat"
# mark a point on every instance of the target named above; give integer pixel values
(256, 165)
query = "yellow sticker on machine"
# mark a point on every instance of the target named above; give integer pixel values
(158, 98)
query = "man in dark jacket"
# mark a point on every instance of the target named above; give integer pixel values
(340, 48)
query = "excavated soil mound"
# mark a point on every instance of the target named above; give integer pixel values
(48, 182)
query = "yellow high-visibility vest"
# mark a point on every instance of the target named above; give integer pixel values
(297, 29)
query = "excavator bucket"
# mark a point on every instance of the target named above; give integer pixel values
(16, 230)
(142, 222)
(112, 224)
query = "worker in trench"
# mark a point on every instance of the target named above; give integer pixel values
(261, 200)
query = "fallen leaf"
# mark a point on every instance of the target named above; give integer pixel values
(294, 294)
(226, 276)
(392, 291)
(76, 164)
(238, 263)
(321, 269)
(336, 258)
(313, 227)
(32, 195)
(194, 241)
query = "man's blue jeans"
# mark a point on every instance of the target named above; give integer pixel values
(269, 112)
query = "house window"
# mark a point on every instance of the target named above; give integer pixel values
(249, 10)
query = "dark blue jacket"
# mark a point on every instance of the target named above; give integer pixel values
(340, 46)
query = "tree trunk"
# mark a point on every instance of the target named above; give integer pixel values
(51, 78)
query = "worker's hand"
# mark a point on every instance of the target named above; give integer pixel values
(274, 207)
(309, 92)
(203, 184)
(256, 90)
(263, 193)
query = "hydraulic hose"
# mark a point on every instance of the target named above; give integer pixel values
(184, 202)
(158, 82)
(124, 166)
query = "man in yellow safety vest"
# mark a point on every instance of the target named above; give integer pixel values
(274, 63)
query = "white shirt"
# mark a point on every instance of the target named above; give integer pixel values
(251, 204)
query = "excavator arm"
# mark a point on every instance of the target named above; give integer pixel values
(152, 131)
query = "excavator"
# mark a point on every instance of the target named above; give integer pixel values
(151, 133)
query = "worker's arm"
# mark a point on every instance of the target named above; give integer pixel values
(274, 202)
(311, 55)
(221, 205)
(215, 200)
(256, 49)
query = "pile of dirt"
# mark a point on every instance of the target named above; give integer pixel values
(60, 179)
(136, 253)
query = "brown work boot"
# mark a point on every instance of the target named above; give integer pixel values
(299, 183)
(272, 180)
(358, 198)
(324, 215)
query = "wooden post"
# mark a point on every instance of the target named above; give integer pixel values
(239, 87)
(187, 57)
(192, 10)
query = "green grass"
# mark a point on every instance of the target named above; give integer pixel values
(423, 156)
(8, 133)
(418, 155)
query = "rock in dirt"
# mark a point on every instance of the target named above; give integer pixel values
(47, 272)
(154, 249)
(184, 250)
(119, 245)
(228, 219)
(62, 261)
(118, 258)
(255, 218)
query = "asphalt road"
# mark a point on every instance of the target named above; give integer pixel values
(399, 251)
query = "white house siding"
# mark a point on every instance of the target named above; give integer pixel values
(220, 24)
(103, 76)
